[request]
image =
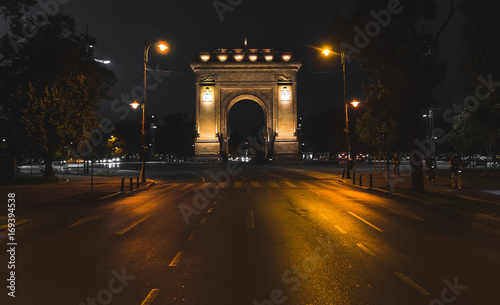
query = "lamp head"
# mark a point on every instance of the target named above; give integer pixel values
(135, 105)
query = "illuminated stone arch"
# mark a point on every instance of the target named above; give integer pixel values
(267, 77)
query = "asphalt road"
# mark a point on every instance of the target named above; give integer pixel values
(265, 235)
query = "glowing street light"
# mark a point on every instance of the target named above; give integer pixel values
(327, 52)
(355, 103)
(135, 105)
(163, 48)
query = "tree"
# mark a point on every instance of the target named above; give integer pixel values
(481, 61)
(49, 88)
(463, 135)
(400, 62)
(15, 8)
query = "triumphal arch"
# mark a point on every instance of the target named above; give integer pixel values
(225, 77)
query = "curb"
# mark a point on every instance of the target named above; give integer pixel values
(478, 217)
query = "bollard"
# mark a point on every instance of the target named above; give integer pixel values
(371, 180)
(123, 184)
(353, 178)
(131, 184)
(343, 173)
(137, 182)
(360, 181)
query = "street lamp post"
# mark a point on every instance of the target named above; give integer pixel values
(327, 52)
(162, 46)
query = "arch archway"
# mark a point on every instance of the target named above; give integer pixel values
(224, 79)
(246, 122)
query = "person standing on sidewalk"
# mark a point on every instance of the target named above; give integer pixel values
(395, 161)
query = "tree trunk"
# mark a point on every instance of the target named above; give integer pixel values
(48, 172)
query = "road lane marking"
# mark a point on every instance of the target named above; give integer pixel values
(341, 230)
(151, 296)
(366, 249)
(323, 215)
(290, 184)
(273, 184)
(367, 222)
(186, 186)
(193, 235)
(176, 259)
(204, 185)
(210, 210)
(87, 219)
(215, 202)
(255, 184)
(203, 220)
(237, 184)
(250, 224)
(125, 230)
(412, 284)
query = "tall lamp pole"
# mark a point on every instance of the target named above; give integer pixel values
(162, 47)
(355, 103)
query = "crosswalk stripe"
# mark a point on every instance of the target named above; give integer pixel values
(290, 184)
(222, 185)
(255, 184)
(273, 184)
(237, 184)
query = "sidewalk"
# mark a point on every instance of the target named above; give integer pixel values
(72, 189)
(483, 201)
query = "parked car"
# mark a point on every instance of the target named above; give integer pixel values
(57, 167)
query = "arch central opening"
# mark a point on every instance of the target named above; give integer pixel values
(246, 119)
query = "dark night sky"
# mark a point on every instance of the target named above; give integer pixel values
(190, 26)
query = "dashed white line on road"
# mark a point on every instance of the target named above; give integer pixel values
(255, 184)
(125, 230)
(151, 296)
(368, 251)
(340, 230)
(176, 259)
(237, 184)
(193, 235)
(210, 210)
(367, 222)
(203, 220)
(323, 215)
(412, 284)
(250, 224)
